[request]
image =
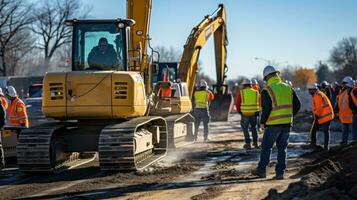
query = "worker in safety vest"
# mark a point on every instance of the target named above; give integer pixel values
(3, 100)
(247, 105)
(17, 109)
(255, 86)
(353, 105)
(2, 124)
(323, 114)
(326, 89)
(343, 108)
(279, 104)
(165, 89)
(202, 98)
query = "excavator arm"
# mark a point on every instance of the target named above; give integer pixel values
(140, 12)
(212, 24)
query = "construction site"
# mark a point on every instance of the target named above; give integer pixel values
(105, 103)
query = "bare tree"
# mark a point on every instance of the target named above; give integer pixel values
(344, 57)
(14, 20)
(49, 25)
(170, 54)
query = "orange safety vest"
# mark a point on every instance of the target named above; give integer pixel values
(4, 102)
(165, 92)
(322, 108)
(345, 112)
(353, 96)
(17, 113)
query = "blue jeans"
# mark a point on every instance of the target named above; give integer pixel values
(201, 115)
(354, 128)
(280, 135)
(245, 122)
(346, 129)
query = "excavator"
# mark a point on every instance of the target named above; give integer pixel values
(113, 108)
(212, 24)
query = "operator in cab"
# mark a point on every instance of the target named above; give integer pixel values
(17, 109)
(202, 98)
(103, 56)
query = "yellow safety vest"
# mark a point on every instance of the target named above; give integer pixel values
(201, 99)
(249, 101)
(281, 95)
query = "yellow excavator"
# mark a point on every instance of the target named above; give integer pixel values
(108, 104)
(212, 24)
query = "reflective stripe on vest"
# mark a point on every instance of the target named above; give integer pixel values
(281, 95)
(14, 118)
(345, 112)
(250, 101)
(327, 111)
(201, 99)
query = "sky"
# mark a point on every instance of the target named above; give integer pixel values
(289, 32)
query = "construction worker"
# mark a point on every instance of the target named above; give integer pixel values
(3, 100)
(353, 105)
(165, 89)
(279, 104)
(247, 105)
(201, 112)
(17, 109)
(103, 56)
(2, 124)
(255, 86)
(326, 89)
(343, 108)
(323, 114)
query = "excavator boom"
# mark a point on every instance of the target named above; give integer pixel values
(212, 24)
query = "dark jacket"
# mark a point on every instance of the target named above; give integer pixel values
(2, 117)
(328, 92)
(267, 107)
(104, 61)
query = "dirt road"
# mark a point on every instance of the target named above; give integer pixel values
(215, 170)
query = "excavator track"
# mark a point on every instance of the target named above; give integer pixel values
(34, 148)
(180, 129)
(119, 144)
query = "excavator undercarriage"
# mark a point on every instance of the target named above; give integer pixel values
(126, 145)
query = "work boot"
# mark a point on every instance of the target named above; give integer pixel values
(259, 173)
(247, 146)
(279, 177)
(255, 145)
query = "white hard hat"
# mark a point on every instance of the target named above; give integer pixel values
(1, 92)
(269, 70)
(347, 79)
(324, 83)
(11, 91)
(246, 82)
(350, 83)
(254, 81)
(203, 83)
(312, 86)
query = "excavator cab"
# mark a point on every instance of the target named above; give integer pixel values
(100, 44)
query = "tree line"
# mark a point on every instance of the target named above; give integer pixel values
(33, 36)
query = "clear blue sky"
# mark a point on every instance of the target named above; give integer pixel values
(298, 31)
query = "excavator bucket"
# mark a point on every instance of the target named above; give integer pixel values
(221, 105)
